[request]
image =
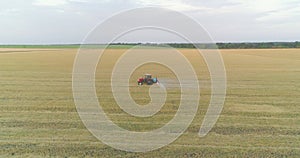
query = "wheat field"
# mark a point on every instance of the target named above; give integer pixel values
(260, 118)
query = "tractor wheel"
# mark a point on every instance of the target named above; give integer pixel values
(149, 82)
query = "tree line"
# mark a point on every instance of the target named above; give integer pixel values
(244, 45)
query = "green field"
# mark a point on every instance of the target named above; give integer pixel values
(261, 115)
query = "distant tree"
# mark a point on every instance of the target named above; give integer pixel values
(297, 44)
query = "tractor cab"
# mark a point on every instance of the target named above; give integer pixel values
(147, 76)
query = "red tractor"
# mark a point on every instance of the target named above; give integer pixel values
(147, 80)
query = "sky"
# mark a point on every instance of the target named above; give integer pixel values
(69, 21)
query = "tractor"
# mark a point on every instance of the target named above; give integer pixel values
(147, 80)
